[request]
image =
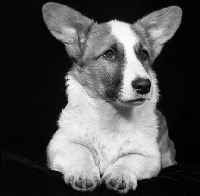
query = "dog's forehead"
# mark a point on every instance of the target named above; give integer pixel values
(103, 36)
(123, 33)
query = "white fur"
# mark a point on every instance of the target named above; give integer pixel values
(96, 122)
(133, 67)
(156, 33)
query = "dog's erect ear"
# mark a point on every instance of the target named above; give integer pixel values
(161, 26)
(67, 25)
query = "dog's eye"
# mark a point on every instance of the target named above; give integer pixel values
(109, 55)
(143, 55)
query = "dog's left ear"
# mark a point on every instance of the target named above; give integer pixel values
(67, 25)
(160, 26)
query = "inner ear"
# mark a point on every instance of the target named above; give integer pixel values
(67, 25)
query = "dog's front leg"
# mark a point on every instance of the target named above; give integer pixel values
(75, 161)
(124, 173)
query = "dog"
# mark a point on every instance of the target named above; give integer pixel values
(110, 131)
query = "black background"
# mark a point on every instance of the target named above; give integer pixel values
(35, 63)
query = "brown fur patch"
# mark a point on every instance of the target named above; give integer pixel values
(100, 76)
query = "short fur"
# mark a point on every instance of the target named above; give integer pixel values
(109, 131)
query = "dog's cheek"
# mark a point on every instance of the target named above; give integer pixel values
(111, 86)
(110, 78)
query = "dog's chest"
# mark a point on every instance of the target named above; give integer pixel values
(108, 138)
(108, 141)
(111, 145)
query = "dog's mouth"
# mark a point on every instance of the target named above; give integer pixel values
(134, 102)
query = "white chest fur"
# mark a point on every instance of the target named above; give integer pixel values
(98, 126)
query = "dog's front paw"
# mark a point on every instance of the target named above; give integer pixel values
(120, 179)
(83, 179)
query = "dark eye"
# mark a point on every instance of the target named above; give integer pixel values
(143, 55)
(109, 54)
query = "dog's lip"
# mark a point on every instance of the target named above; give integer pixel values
(135, 102)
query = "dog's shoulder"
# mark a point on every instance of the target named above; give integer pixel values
(162, 123)
(166, 145)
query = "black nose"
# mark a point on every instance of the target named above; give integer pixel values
(141, 85)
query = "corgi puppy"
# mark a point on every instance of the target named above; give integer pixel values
(110, 131)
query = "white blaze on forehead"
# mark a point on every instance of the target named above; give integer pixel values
(133, 67)
(126, 36)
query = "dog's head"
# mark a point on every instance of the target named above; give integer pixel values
(112, 60)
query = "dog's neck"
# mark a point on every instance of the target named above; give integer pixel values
(79, 98)
(105, 113)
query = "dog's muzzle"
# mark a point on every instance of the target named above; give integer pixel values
(142, 89)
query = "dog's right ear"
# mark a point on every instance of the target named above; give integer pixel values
(67, 25)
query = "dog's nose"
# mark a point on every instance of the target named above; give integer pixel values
(141, 85)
